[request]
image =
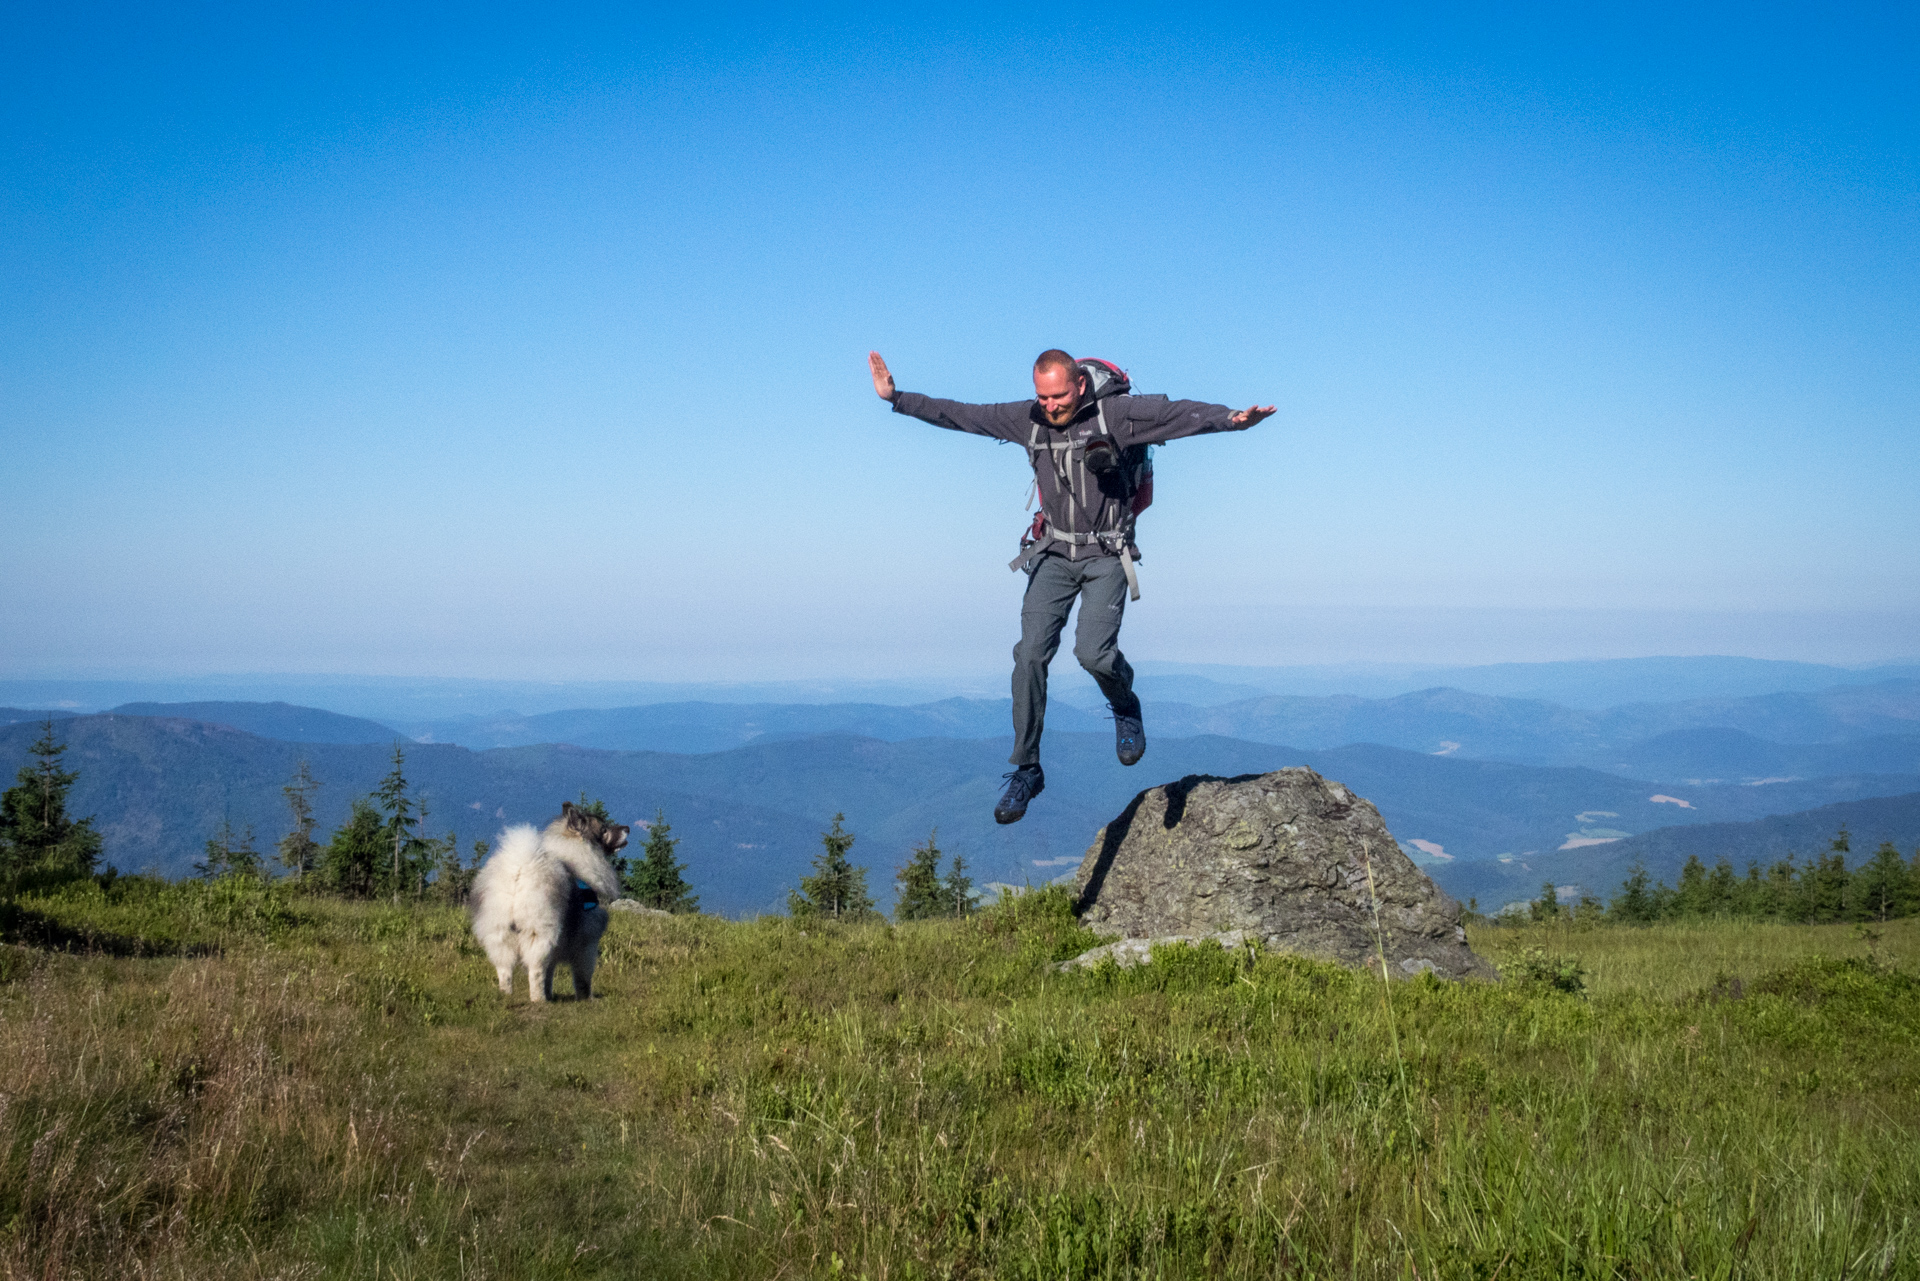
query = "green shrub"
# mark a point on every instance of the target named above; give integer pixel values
(1537, 967)
(1044, 921)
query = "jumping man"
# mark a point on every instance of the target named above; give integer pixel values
(1085, 436)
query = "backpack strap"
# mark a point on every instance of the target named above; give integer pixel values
(1127, 515)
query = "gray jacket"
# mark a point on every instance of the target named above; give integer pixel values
(1072, 497)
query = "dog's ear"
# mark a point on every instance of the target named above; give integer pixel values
(566, 809)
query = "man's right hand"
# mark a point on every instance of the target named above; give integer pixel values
(882, 379)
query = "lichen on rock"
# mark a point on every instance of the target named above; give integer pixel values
(1283, 858)
(636, 906)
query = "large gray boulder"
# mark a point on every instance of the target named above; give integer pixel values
(1281, 858)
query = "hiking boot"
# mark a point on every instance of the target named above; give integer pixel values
(1129, 735)
(1023, 785)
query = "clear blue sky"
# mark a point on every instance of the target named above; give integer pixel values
(530, 343)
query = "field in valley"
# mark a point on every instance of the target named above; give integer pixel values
(221, 1081)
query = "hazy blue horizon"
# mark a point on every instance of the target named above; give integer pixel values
(1592, 685)
(979, 650)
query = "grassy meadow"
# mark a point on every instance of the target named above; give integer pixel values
(224, 1081)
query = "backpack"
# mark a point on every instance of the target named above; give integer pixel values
(1135, 463)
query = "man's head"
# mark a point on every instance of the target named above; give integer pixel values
(1058, 385)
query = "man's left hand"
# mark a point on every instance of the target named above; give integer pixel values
(1251, 415)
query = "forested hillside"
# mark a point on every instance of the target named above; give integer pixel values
(750, 818)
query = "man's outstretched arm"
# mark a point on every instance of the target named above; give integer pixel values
(1152, 421)
(1007, 421)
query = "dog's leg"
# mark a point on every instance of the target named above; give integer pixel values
(504, 956)
(540, 959)
(586, 957)
(583, 949)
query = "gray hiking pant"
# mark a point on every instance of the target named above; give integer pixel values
(1101, 585)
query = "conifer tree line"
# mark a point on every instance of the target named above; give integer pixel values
(381, 851)
(837, 890)
(1819, 891)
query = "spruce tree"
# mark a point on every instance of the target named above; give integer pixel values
(1782, 895)
(1547, 906)
(453, 880)
(922, 895)
(1823, 886)
(39, 843)
(959, 888)
(1635, 904)
(398, 807)
(229, 854)
(410, 857)
(837, 889)
(1690, 896)
(353, 863)
(657, 879)
(298, 850)
(1721, 888)
(1882, 888)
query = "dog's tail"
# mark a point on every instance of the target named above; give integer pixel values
(513, 849)
(516, 845)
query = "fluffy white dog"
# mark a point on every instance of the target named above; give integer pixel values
(541, 899)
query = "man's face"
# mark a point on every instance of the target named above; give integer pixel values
(1058, 391)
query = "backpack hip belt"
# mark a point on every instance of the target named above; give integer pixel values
(1116, 541)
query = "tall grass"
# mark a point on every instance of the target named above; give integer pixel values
(344, 1093)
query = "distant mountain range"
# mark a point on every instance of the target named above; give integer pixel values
(1590, 685)
(1857, 729)
(716, 727)
(273, 720)
(1494, 778)
(1601, 869)
(751, 816)
(1636, 738)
